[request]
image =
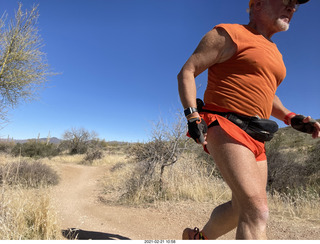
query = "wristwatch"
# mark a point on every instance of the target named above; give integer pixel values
(190, 110)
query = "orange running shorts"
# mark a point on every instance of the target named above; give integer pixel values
(257, 147)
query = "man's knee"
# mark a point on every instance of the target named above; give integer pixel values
(255, 210)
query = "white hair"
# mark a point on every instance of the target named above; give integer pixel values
(282, 25)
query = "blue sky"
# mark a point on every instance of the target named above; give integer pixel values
(118, 61)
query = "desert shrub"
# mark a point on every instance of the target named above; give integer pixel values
(202, 158)
(165, 148)
(153, 180)
(116, 147)
(187, 179)
(92, 154)
(94, 151)
(35, 149)
(285, 176)
(293, 163)
(6, 147)
(28, 174)
(313, 168)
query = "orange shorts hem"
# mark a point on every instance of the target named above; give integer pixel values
(257, 147)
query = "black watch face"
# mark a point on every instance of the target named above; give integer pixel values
(188, 111)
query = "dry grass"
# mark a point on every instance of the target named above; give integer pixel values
(4, 157)
(114, 183)
(305, 206)
(26, 174)
(107, 159)
(25, 213)
(64, 159)
(111, 159)
(23, 217)
(190, 181)
(184, 180)
(7, 158)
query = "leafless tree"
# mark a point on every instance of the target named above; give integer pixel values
(167, 143)
(77, 140)
(23, 66)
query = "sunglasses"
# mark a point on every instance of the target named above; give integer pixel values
(292, 3)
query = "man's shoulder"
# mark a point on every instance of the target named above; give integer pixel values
(229, 26)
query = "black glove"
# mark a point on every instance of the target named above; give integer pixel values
(298, 124)
(197, 127)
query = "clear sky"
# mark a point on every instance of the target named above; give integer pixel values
(119, 60)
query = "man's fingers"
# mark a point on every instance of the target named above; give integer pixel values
(316, 132)
(304, 124)
(309, 120)
(306, 119)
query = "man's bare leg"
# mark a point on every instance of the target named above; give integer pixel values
(223, 219)
(247, 180)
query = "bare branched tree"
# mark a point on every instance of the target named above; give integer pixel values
(23, 66)
(167, 143)
(77, 140)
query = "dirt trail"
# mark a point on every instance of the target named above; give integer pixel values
(77, 204)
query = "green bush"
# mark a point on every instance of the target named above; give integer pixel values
(293, 163)
(6, 147)
(35, 149)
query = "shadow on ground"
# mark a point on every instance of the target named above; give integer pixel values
(78, 234)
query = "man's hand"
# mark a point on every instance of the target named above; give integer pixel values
(198, 128)
(316, 125)
(306, 125)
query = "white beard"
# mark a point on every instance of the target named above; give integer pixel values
(282, 25)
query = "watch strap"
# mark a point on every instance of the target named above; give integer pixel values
(189, 111)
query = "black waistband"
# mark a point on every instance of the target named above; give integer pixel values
(259, 129)
(227, 115)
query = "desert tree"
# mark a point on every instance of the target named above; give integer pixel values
(167, 143)
(79, 140)
(23, 66)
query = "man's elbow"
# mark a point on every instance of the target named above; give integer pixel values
(180, 75)
(185, 74)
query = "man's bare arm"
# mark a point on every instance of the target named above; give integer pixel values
(279, 111)
(215, 47)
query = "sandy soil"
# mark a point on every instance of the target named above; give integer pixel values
(76, 200)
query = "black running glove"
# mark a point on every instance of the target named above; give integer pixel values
(197, 127)
(298, 124)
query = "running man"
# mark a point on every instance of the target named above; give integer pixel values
(244, 70)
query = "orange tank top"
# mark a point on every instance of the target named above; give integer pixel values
(247, 82)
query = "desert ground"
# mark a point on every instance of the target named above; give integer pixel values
(78, 203)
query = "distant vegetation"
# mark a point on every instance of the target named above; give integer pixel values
(169, 167)
(75, 141)
(35, 149)
(293, 157)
